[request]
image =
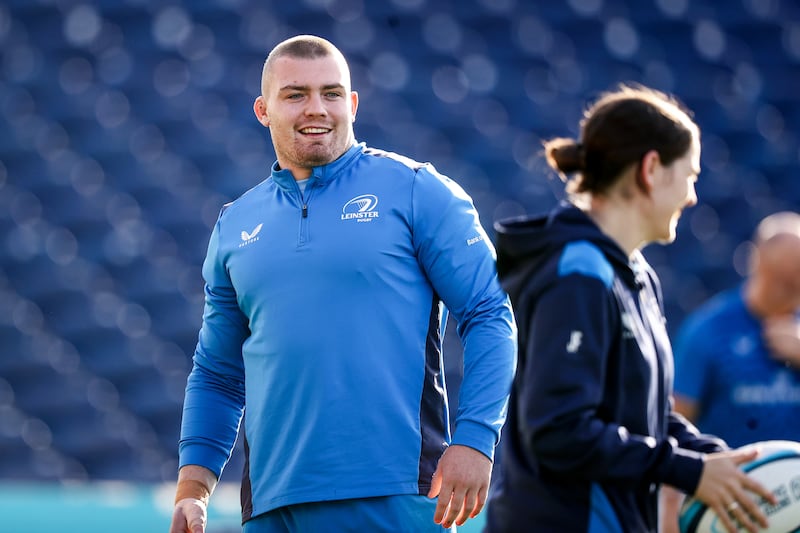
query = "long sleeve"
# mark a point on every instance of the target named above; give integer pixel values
(214, 400)
(459, 259)
(566, 417)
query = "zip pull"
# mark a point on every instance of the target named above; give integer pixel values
(305, 210)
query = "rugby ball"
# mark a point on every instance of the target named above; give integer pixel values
(778, 469)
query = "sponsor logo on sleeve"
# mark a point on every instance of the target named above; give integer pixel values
(575, 340)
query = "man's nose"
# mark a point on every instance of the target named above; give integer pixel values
(315, 105)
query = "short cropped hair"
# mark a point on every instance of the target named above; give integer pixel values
(301, 47)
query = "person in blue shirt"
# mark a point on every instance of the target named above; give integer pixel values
(325, 293)
(737, 356)
(591, 435)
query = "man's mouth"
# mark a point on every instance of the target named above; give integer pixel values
(314, 130)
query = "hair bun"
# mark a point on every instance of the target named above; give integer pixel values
(566, 155)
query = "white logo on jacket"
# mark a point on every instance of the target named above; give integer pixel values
(575, 339)
(361, 208)
(248, 238)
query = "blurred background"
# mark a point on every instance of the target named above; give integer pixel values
(125, 125)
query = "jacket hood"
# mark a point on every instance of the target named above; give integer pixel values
(525, 243)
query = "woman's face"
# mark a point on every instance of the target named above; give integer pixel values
(673, 190)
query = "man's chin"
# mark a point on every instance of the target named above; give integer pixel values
(317, 158)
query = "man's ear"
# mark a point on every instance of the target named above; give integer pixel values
(260, 109)
(646, 173)
(353, 104)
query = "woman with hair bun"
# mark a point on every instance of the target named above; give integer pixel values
(591, 434)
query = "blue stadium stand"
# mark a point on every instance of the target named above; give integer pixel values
(126, 125)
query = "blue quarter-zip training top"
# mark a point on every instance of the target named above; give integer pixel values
(323, 313)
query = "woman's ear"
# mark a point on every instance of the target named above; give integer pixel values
(646, 173)
(260, 110)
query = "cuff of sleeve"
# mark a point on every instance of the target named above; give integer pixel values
(202, 455)
(477, 436)
(684, 470)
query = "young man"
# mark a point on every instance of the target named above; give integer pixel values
(737, 356)
(324, 293)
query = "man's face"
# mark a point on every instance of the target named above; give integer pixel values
(779, 266)
(309, 109)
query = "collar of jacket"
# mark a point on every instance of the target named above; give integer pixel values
(322, 174)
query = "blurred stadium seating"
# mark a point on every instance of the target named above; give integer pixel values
(126, 124)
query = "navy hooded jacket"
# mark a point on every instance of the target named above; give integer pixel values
(590, 434)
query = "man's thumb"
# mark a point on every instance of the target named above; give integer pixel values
(197, 526)
(436, 484)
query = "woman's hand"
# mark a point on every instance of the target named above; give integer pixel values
(728, 490)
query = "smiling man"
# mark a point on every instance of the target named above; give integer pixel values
(326, 286)
(310, 117)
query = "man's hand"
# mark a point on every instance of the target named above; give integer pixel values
(782, 335)
(727, 489)
(189, 516)
(461, 481)
(195, 485)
